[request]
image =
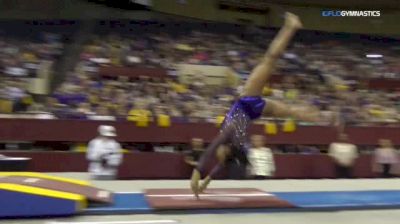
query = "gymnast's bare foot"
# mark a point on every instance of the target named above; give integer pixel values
(292, 20)
(194, 182)
(205, 184)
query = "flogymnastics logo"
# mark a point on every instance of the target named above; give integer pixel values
(349, 13)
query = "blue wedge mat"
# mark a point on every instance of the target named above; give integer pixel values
(136, 202)
(124, 203)
(27, 204)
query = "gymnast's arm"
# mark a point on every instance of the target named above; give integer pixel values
(189, 160)
(222, 138)
(278, 109)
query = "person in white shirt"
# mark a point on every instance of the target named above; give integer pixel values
(385, 159)
(344, 154)
(260, 158)
(104, 154)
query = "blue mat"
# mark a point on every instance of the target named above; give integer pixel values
(135, 203)
(124, 203)
(342, 199)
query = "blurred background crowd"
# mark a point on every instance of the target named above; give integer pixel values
(84, 94)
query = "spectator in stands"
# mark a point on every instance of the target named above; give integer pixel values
(51, 104)
(385, 158)
(40, 112)
(174, 112)
(102, 113)
(5, 102)
(122, 113)
(344, 62)
(344, 155)
(139, 111)
(15, 91)
(85, 109)
(104, 154)
(197, 149)
(261, 159)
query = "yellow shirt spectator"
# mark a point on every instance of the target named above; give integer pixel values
(111, 106)
(219, 120)
(291, 94)
(178, 88)
(376, 112)
(289, 126)
(138, 114)
(6, 106)
(271, 128)
(267, 91)
(163, 120)
(341, 87)
(28, 100)
(93, 99)
(29, 57)
(184, 47)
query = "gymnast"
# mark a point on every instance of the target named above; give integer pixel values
(232, 139)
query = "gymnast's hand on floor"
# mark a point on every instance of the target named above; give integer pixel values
(194, 182)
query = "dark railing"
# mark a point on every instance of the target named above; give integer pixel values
(179, 132)
(156, 165)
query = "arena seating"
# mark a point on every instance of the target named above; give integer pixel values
(127, 71)
(123, 51)
(28, 49)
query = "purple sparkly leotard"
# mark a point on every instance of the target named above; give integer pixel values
(242, 112)
(234, 129)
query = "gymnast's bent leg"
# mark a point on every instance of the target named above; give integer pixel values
(211, 150)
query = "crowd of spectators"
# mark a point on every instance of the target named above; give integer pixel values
(22, 57)
(86, 95)
(347, 63)
(20, 60)
(352, 105)
(14, 96)
(339, 57)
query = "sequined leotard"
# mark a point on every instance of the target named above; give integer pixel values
(234, 129)
(239, 118)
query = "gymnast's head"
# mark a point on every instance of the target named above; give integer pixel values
(257, 141)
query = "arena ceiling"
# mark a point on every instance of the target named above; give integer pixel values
(364, 4)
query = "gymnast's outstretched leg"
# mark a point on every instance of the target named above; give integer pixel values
(261, 73)
(234, 127)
